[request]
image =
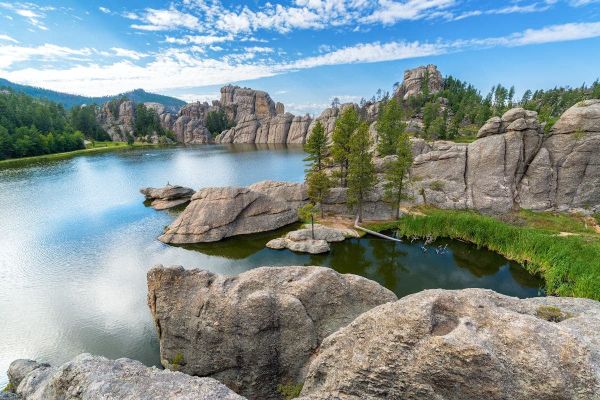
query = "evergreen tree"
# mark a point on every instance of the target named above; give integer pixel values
(389, 127)
(396, 172)
(319, 185)
(361, 169)
(217, 122)
(345, 126)
(316, 147)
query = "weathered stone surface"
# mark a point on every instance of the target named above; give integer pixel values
(327, 118)
(279, 108)
(97, 378)
(439, 175)
(584, 117)
(218, 213)
(255, 330)
(302, 240)
(467, 344)
(244, 132)
(279, 126)
(491, 127)
(414, 79)
(168, 196)
(117, 118)
(374, 207)
(299, 129)
(310, 246)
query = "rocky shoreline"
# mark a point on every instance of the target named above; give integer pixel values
(337, 337)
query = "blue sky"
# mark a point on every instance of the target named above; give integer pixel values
(304, 52)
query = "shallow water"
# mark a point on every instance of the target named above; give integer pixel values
(77, 241)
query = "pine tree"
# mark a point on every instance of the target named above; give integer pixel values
(396, 172)
(389, 127)
(345, 126)
(316, 147)
(319, 185)
(361, 169)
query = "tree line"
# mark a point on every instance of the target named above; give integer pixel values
(459, 109)
(348, 160)
(32, 127)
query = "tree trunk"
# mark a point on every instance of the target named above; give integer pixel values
(312, 225)
(360, 211)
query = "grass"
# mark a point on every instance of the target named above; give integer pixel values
(98, 147)
(570, 265)
(290, 391)
(8, 388)
(552, 314)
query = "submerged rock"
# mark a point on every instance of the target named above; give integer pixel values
(218, 213)
(255, 330)
(168, 196)
(98, 378)
(465, 344)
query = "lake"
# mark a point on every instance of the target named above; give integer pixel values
(77, 242)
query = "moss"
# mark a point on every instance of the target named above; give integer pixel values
(9, 388)
(290, 390)
(552, 314)
(570, 265)
(437, 186)
(177, 361)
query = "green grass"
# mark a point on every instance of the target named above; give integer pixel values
(8, 388)
(98, 147)
(290, 391)
(570, 265)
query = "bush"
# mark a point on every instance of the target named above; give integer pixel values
(290, 390)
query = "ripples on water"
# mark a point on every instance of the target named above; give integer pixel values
(77, 242)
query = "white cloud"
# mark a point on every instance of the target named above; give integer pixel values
(12, 54)
(580, 3)
(181, 68)
(104, 10)
(134, 55)
(199, 40)
(163, 20)
(371, 52)
(30, 11)
(390, 12)
(7, 38)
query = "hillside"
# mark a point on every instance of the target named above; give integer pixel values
(69, 100)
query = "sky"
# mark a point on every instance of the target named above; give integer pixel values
(303, 52)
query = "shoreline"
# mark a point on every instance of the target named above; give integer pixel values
(18, 162)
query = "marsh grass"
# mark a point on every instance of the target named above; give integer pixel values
(570, 265)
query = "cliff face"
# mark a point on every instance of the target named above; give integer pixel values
(415, 80)
(514, 165)
(259, 119)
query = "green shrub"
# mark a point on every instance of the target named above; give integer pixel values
(436, 186)
(8, 388)
(177, 361)
(552, 314)
(570, 265)
(290, 390)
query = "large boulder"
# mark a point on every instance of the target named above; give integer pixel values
(299, 129)
(467, 344)
(256, 330)
(168, 196)
(313, 239)
(217, 213)
(97, 378)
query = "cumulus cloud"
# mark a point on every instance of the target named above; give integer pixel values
(187, 67)
(163, 20)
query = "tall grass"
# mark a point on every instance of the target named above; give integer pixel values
(570, 265)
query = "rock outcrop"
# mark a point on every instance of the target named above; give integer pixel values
(217, 213)
(313, 240)
(92, 377)
(415, 80)
(513, 164)
(467, 344)
(168, 196)
(255, 330)
(117, 118)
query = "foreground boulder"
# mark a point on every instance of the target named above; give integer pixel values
(467, 344)
(168, 196)
(256, 330)
(98, 378)
(218, 213)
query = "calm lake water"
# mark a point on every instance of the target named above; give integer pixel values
(77, 241)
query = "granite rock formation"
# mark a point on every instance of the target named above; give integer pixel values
(255, 330)
(217, 213)
(311, 239)
(168, 196)
(466, 344)
(414, 81)
(95, 378)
